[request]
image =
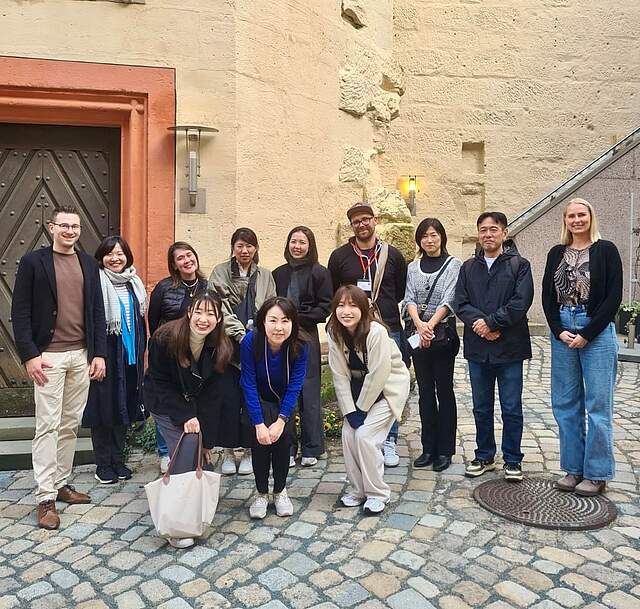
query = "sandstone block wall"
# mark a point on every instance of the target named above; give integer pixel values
(506, 99)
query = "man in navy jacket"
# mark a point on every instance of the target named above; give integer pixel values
(59, 327)
(493, 294)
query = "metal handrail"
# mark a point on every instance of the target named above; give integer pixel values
(624, 142)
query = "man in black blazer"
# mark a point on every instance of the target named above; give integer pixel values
(59, 327)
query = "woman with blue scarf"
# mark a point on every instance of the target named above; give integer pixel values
(116, 402)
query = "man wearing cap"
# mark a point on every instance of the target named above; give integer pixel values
(358, 262)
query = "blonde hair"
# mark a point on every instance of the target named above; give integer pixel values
(566, 238)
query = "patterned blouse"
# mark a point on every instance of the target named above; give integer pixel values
(572, 277)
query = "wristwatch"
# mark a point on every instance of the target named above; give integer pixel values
(284, 418)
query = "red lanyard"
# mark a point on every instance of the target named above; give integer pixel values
(366, 270)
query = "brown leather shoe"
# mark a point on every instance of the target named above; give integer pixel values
(68, 494)
(590, 488)
(47, 516)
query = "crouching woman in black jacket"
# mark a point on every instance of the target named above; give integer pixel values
(188, 382)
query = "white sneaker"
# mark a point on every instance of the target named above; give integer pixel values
(292, 461)
(350, 500)
(283, 504)
(228, 463)
(373, 505)
(164, 464)
(181, 542)
(391, 458)
(246, 467)
(308, 461)
(258, 509)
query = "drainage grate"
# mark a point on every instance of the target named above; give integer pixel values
(535, 502)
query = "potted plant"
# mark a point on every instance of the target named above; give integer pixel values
(628, 315)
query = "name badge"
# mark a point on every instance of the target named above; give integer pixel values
(364, 285)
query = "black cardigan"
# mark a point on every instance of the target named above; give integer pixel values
(605, 293)
(316, 293)
(35, 303)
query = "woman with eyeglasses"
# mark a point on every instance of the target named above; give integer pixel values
(308, 285)
(170, 300)
(243, 286)
(116, 402)
(581, 293)
(188, 384)
(273, 361)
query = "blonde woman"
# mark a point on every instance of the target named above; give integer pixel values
(581, 292)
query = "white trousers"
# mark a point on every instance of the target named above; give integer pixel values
(59, 407)
(363, 456)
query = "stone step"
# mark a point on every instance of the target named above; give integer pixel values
(16, 454)
(23, 428)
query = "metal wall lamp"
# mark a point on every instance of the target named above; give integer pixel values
(193, 199)
(408, 187)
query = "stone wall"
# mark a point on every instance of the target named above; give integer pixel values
(506, 99)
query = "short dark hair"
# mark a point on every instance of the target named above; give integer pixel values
(173, 271)
(497, 216)
(297, 339)
(108, 243)
(312, 254)
(64, 209)
(248, 236)
(437, 226)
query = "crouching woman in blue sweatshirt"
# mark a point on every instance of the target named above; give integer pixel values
(273, 359)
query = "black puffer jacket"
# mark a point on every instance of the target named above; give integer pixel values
(501, 296)
(168, 302)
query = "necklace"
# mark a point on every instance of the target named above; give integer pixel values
(191, 287)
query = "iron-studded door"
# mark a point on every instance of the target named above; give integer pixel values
(41, 168)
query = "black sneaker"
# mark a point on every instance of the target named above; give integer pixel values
(122, 471)
(513, 472)
(105, 475)
(477, 467)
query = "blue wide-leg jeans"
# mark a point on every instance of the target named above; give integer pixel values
(582, 383)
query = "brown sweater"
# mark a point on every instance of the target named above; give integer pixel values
(69, 332)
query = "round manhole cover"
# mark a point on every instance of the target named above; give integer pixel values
(535, 502)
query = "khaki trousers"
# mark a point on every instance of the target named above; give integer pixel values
(59, 407)
(362, 448)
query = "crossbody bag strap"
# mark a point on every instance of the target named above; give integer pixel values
(433, 285)
(380, 267)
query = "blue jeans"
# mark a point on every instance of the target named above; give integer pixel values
(161, 443)
(483, 383)
(397, 336)
(582, 382)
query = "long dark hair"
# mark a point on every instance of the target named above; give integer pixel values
(296, 341)
(437, 226)
(176, 333)
(312, 254)
(248, 236)
(171, 265)
(108, 243)
(337, 331)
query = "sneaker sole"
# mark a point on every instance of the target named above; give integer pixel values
(477, 474)
(257, 516)
(392, 464)
(513, 478)
(101, 481)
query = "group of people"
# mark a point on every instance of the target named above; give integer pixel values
(231, 358)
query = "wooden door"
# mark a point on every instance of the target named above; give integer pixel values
(41, 168)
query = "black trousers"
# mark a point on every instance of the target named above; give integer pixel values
(438, 412)
(272, 456)
(310, 408)
(108, 444)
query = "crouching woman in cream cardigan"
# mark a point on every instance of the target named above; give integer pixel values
(372, 386)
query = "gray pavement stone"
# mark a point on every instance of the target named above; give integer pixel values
(277, 579)
(409, 599)
(300, 564)
(348, 594)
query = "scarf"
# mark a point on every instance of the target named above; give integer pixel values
(196, 344)
(112, 311)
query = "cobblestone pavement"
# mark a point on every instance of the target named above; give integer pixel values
(433, 547)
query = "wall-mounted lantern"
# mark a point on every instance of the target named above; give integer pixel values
(409, 187)
(193, 200)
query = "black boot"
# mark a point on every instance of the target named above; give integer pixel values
(423, 460)
(441, 462)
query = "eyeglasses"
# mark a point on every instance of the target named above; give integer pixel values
(363, 221)
(66, 227)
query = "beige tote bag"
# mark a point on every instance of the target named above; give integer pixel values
(183, 505)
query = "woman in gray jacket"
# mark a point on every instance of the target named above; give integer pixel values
(243, 286)
(431, 285)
